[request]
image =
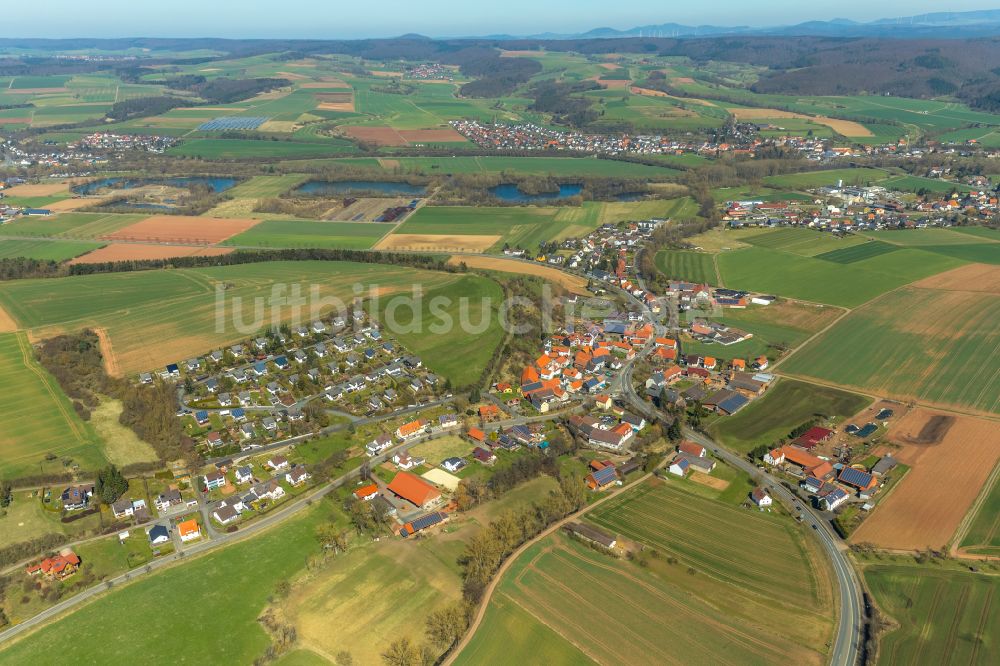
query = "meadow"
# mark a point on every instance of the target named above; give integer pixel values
(775, 272)
(371, 595)
(439, 328)
(811, 179)
(803, 242)
(38, 418)
(786, 405)
(70, 225)
(168, 605)
(934, 345)
(686, 265)
(45, 250)
(157, 317)
(704, 592)
(983, 535)
(310, 233)
(940, 616)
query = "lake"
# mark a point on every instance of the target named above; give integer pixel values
(216, 183)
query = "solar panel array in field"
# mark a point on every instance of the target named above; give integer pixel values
(233, 123)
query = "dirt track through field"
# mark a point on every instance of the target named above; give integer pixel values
(182, 229)
(949, 465)
(845, 127)
(108, 356)
(7, 323)
(572, 283)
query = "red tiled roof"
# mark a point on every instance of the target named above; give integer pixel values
(413, 489)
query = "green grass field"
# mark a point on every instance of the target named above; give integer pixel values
(520, 226)
(941, 616)
(933, 345)
(309, 233)
(684, 265)
(70, 225)
(266, 186)
(808, 278)
(237, 149)
(788, 404)
(449, 339)
(699, 599)
(178, 308)
(38, 418)
(851, 254)
(191, 603)
(810, 179)
(983, 536)
(803, 242)
(45, 250)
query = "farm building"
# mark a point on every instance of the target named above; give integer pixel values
(423, 523)
(857, 478)
(414, 490)
(591, 534)
(813, 437)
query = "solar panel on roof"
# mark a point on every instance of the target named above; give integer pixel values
(604, 475)
(428, 520)
(855, 477)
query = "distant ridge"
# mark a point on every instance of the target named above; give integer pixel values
(939, 25)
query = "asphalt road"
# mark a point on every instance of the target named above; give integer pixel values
(845, 648)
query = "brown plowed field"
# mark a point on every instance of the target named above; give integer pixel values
(950, 459)
(613, 84)
(337, 101)
(571, 283)
(982, 278)
(135, 251)
(183, 229)
(37, 190)
(437, 242)
(387, 136)
(15, 121)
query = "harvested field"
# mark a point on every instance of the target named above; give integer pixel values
(365, 209)
(15, 121)
(337, 101)
(950, 457)
(291, 75)
(140, 252)
(612, 84)
(37, 190)
(387, 136)
(571, 283)
(328, 82)
(183, 229)
(983, 278)
(520, 54)
(609, 65)
(845, 127)
(387, 163)
(35, 91)
(441, 243)
(67, 205)
(442, 135)
(710, 481)
(680, 80)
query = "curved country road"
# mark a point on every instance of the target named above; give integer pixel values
(491, 588)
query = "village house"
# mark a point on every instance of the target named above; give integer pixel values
(189, 530)
(379, 444)
(59, 566)
(760, 497)
(297, 475)
(214, 480)
(277, 463)
(411, 429)
(367, 493)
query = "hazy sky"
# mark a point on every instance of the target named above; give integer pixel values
(384, 18)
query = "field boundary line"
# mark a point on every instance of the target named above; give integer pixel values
(29, 363)
(970, 516)
(477, 620)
